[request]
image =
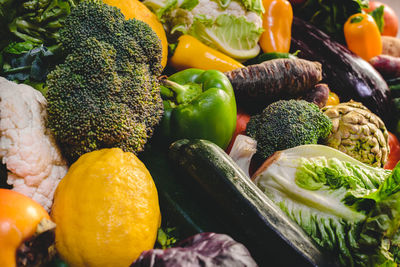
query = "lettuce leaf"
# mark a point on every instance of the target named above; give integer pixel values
(232, 35)
(347, 207)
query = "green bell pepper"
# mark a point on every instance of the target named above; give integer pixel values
(198, 104)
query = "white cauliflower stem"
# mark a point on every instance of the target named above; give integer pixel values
(34, 163)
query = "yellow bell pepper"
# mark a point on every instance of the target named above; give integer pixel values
(277, 24)
(191, 53)
(362, 36)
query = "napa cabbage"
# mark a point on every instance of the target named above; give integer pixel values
(348, 208)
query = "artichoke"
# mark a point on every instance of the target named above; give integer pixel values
(358, 132)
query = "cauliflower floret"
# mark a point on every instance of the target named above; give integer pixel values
(34, 163)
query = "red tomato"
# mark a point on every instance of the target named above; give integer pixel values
(389, 16)
(242, 119)
(394, 154)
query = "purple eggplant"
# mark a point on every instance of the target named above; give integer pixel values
(347, 74)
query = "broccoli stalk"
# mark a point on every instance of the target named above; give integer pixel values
(285, 124)
(106, 93)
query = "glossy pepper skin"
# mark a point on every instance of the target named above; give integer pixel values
(198, 104)
(277, 24)
(19, 217)
(191, 53)
(363, 36)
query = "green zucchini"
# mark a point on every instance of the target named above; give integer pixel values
(183, 205)
(272, 238)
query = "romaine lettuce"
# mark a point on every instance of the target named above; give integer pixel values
(347, 207)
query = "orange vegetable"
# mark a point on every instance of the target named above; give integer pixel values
(19, 217)
(333, 99)
(191, 53)
(277, 24)
(363, 36)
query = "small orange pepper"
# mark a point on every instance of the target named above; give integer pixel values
(277, 24)
(363, 36)
(333, 99)
(191, 53)
(19, 217)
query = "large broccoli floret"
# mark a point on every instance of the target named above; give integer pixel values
(285, 124)
(106, 93)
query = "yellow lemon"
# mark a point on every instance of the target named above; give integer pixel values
(136, 9)
(106, 210)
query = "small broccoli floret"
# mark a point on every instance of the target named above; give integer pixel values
(285, 124)
(106, 93)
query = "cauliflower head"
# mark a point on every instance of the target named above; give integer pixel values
(34, 163)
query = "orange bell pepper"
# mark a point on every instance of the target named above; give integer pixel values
(191, 53)
(363, 36)
(19, 217)
(277, 24)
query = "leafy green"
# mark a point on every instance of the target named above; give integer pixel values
(330, 15)
(347, 207)
(377, 14)
(27, 63)
(232, 35)
(35, 21)
(166, 237)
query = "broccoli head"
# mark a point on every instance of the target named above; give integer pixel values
(285, 124)
(106, 92)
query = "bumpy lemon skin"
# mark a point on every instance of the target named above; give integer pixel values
(106, 210)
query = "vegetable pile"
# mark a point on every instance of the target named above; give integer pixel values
(117, 117)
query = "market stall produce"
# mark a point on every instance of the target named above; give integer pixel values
(199, 132)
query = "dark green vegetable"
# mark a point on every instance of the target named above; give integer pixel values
(106, 93)
(285, 124)
(35, 21)
(269, 56)
(198, 104)
(187, 209)
(27, 63)
(330, 15)
(394, 86)
(257, 222)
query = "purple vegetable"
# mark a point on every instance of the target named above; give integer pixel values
(204, 249)
(387, 66)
